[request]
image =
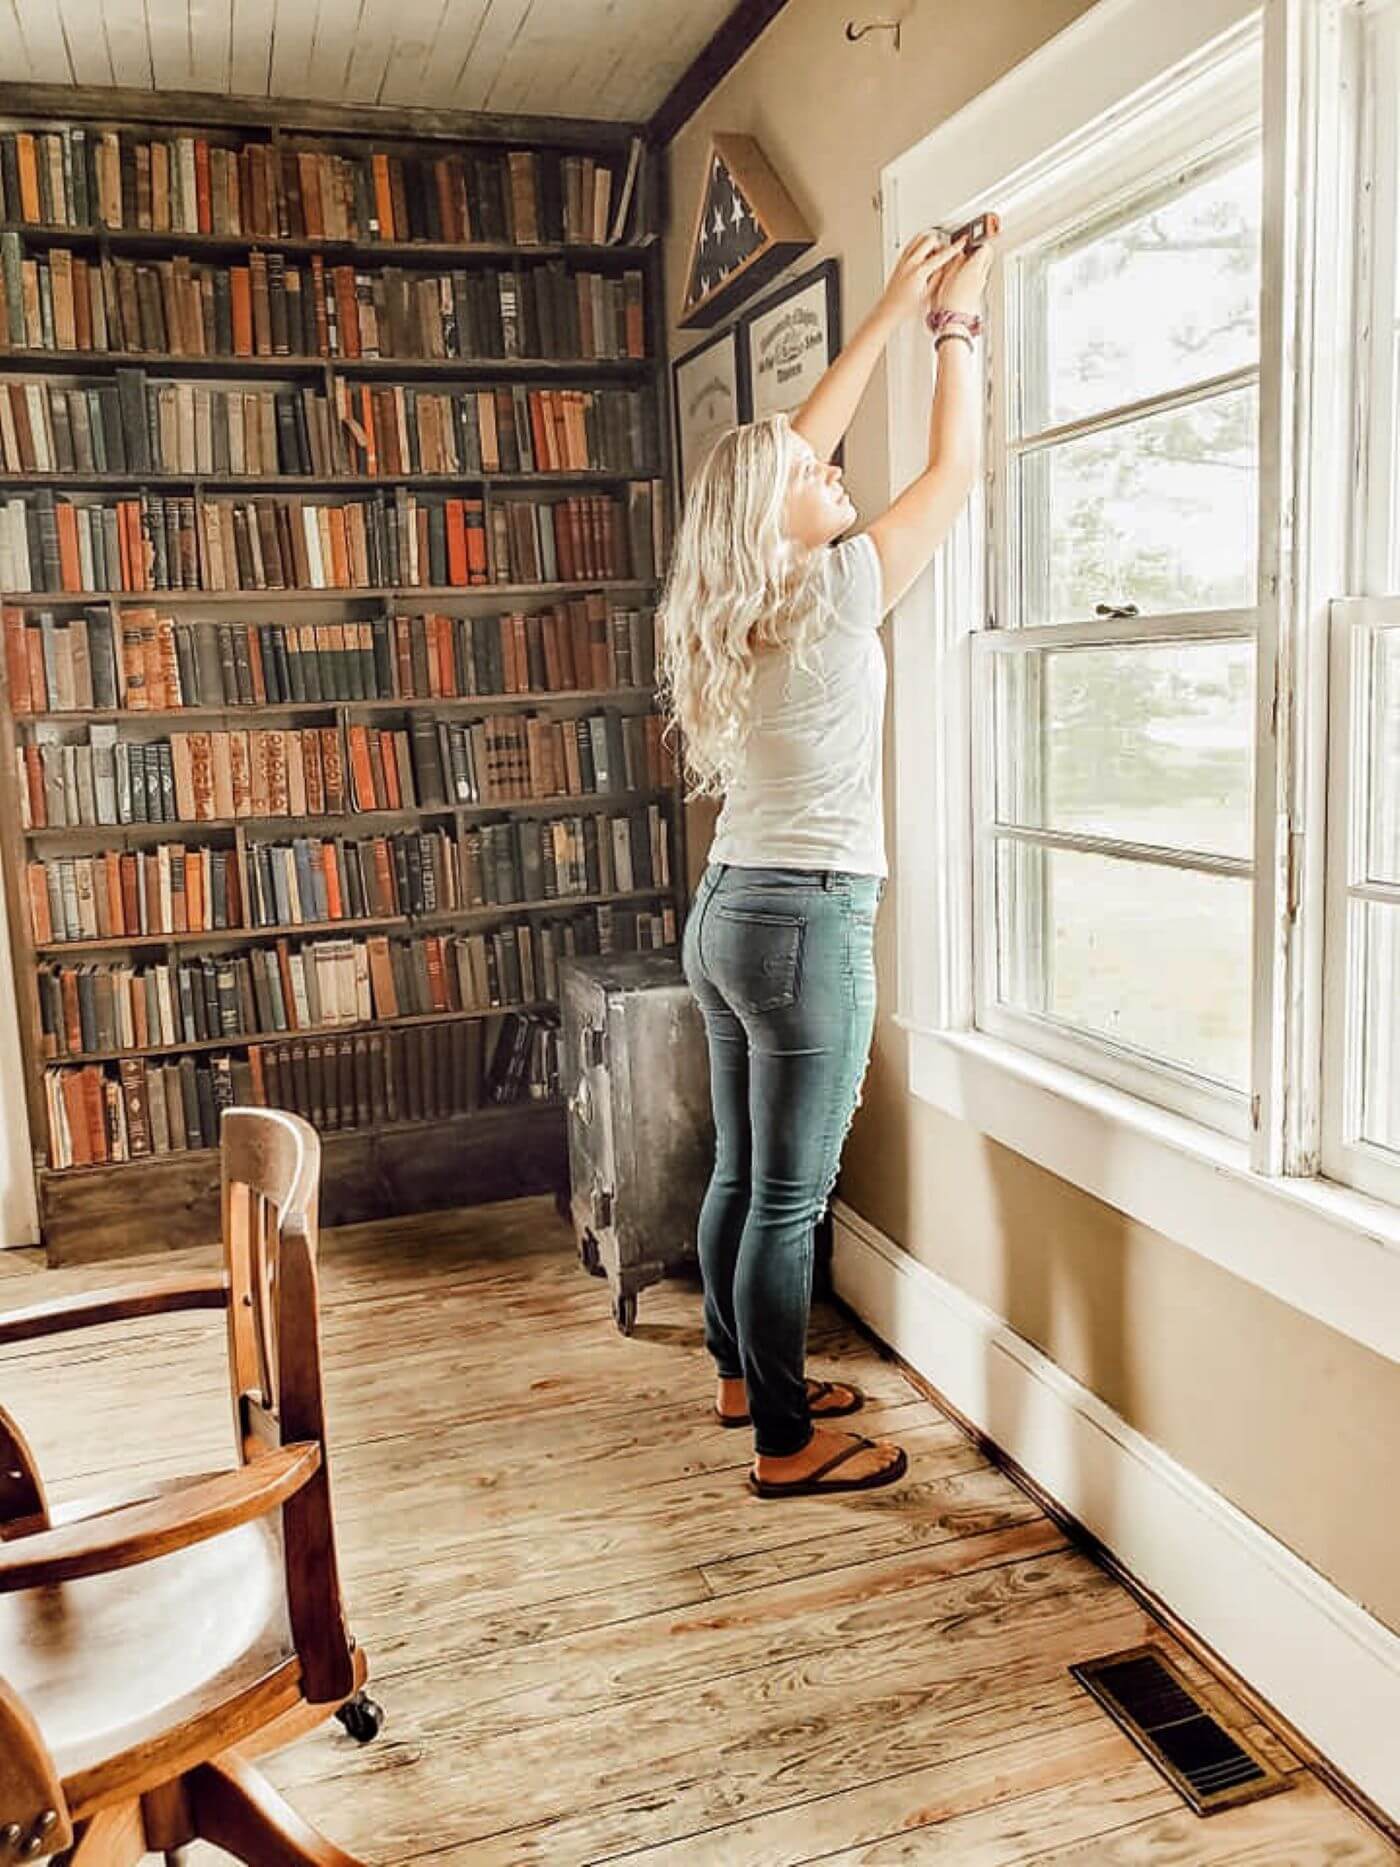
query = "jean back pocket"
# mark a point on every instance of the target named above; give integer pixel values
(755, 957)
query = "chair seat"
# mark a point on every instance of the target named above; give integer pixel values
(106, 1663)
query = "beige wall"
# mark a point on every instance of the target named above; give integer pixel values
(1292, 1422)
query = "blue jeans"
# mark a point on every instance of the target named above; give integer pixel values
(782, 964)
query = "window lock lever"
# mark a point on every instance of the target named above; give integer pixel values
(1116, 612)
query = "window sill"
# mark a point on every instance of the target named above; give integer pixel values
(1332, 1254)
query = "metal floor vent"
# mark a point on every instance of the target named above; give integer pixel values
(1211, 1766)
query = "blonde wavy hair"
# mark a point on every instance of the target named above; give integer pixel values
(738, 585)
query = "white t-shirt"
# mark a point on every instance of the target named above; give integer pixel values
(807, 794)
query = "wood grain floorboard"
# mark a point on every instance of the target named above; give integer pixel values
(594, 1644)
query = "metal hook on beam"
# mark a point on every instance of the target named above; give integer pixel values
(853, 33)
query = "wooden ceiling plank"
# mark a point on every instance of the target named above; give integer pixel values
(545, 52)
(462, 26)
(459, 22)
(478, 72)
(128, 43)
(369, 54)
(49, 62)
(14, 53)
(337, 29)
(169, 28)
(211, 44)
(293, 31)
(86, 41)
(250, 49)
(408, 75)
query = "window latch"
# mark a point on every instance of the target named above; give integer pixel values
(1116, 612)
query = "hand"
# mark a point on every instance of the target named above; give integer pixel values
(916, 271)
(962, 285)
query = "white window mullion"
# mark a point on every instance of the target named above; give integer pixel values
(1308, 215)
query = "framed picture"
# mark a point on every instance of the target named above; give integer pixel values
(788, 339)
(709, 398)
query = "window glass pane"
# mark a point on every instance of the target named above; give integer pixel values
(1159, 512)
(1155, 959)
(1150, 743)
(1385, 757)
(1161, 300)
(1380, 1023)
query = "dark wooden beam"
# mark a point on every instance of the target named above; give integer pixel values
(714, 62)
(208, 109)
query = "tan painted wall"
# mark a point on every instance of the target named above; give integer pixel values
(1294, 1423)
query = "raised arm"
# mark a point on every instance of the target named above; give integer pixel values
(826, 414)
(907, 536)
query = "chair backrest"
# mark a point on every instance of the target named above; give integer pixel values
(271, 1167)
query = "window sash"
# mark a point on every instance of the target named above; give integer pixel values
(1167, 1085)
(1096, 223)
(1357, 624)
(1217, 136)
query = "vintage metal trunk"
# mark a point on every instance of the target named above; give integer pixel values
(641, 1136)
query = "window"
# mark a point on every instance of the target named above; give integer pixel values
(1148, 755)
(1114, 690)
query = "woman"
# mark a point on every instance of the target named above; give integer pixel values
(776, 679)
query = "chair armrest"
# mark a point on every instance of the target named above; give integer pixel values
(190, 1513)
(88, 1308)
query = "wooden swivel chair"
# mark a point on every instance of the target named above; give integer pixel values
(152, 1643)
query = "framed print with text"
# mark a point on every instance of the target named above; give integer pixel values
(788, 339)
(709, 397)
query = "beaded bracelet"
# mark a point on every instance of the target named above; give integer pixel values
(941, 318)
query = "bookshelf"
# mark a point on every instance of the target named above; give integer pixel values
(333, 506)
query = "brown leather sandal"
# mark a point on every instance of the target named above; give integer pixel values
(817, 1391)
(816, 1482)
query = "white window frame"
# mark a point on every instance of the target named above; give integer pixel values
(1252, 1205)
(1142, 155)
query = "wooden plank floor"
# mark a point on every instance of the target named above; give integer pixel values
(593, 1643)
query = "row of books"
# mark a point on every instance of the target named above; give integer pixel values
(49, 543)
(101, 780)
(104, 1113)
(323, 984)
(83, 176)
(139, 661)
(134, 426)
(505, 429)
(174, 889)
(124, 894)
(271, 307)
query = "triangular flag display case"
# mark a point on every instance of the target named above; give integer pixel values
(746, 231)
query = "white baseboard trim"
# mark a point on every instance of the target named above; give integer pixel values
(1329, 1667)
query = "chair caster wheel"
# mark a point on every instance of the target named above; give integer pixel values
(625, 1313)
(362, 1717)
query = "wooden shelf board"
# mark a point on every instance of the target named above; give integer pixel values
(441, 917)
(257, 1040)
(242, 713)
(174, 363)
(625, 257)
(312, 826)
(304, 483)
(155, 599)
